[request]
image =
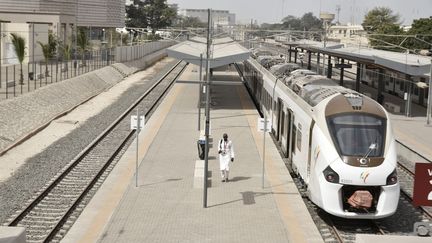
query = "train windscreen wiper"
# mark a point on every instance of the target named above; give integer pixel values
(373, 146)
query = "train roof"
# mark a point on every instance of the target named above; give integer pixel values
(315, 88)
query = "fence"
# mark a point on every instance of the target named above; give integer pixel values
(128, 53)
(39, 74)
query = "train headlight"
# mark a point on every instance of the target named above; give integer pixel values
(330, 175)
(392, 178)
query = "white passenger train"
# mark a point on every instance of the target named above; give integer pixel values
(339, 142)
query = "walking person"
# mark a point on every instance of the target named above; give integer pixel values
(226, 154)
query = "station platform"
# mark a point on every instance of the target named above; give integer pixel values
(166, 207)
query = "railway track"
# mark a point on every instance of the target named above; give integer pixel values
(52, 212)
(335, 229)
(406, 178)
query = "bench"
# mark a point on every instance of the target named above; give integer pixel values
(10, 83)
(392, 107)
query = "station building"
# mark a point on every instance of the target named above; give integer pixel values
(220, 17)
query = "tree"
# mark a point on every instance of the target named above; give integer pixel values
(382, 25)
(82, 43)
(422, 30)
(19, 45)
(67, 54)
(186, 21)
(292, 23)
(310, 22)
(307, 22)
(46, 54)
(150, 13)
(49, 50)
(378, 18)
(52, 43)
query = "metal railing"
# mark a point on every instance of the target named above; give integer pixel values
(40, 74)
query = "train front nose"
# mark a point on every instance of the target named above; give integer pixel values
(354, 201)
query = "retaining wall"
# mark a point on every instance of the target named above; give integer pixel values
(24, 116)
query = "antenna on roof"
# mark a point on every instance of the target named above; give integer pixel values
(283, 7)
(338, 9)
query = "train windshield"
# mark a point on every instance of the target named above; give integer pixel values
(358, 134)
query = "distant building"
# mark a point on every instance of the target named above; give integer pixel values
(59, 16)
(220, 17)
(348, 34)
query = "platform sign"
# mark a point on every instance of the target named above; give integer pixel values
(261, 125)
(134, 121)
(423, 184)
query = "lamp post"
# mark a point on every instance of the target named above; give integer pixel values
(207, 108)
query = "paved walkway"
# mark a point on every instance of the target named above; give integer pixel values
(165, 207)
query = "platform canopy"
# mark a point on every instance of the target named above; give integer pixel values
(224, 51)
(411, 64)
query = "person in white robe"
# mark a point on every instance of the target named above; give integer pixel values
(226, 154)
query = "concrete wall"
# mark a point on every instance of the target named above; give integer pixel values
(124, 53)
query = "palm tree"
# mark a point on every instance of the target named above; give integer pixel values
(67, 52)
(47, 55)
(19, 45)
(83, 43)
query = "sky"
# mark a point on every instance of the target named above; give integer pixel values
(272, 11)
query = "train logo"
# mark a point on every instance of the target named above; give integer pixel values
(364, 175)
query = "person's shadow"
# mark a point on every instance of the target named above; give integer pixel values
(239, 178)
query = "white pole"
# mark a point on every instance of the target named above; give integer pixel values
(136, 162)
(207, 109)
(200, 92)
(428, 115)
(264, 147)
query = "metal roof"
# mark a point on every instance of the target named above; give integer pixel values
(414, 65)
(224, 51)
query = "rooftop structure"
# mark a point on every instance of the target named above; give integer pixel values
(348, 34)
(220, 17)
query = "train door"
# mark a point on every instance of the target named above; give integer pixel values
(279, 112)
(287, 134)
(309, 163)
(282, 127)
(292, 136)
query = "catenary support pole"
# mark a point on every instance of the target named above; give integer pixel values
(137, 147)
(207, 109)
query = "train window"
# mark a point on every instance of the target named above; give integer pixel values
(401, 86)
(282, 123)
(416, 90)
(299, 137)
(358, 134)
(294, 134)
